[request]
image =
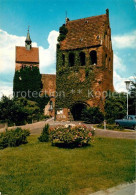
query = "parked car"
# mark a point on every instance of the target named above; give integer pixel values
(128, 121)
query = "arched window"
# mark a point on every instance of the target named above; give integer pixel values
(93, 57)
(71, 59)
(63, 59)
(82, 58)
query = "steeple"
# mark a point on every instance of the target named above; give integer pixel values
(28, 41)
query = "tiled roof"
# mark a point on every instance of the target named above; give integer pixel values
(23, 55)
(84, 32)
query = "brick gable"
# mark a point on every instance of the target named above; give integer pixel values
(23, 55)
(84, 32)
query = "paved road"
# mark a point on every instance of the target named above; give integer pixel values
(36, 128)
(125, 189)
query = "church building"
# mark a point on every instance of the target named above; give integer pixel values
(84, 67)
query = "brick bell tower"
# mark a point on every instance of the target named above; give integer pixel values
(84, 65)
(28, 55)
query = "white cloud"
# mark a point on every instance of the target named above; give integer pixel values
(118, 64)
(6, 90)
(48, 56)
(125, 41)
(119, 82)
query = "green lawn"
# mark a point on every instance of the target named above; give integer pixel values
(41, 169)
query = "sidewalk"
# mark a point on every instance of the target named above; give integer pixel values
(125, 189)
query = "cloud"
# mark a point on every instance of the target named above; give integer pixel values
(118, 64)
(48, 56)
(125, 41)
(6, 89)
(119, 82)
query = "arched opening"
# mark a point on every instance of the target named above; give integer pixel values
(71, 59)
(77, 109)
(82, 58)
(93, 57)
(63, 59)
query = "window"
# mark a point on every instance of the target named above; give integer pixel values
(93, 57)
(63, 59)
(71, 59)
(82, 58)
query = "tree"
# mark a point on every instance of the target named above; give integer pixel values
(11, 112)
(115, 107)
(92, 115)
(18, 110)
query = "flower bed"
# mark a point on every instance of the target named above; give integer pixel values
(71, 136)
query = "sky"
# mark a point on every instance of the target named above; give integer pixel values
(46, 16)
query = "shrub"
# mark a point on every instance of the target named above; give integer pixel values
(71, 136)
(92, 115)
(13, 138)
(45, 134)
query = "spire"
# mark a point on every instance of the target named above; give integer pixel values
(28, 40)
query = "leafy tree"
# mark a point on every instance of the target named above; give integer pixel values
(115, 107)
(30, 107)
(92, 115)
(18, 110)
(11, 112)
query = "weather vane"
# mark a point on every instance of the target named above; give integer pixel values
(28, 27)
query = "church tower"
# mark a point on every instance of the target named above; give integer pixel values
(84, 69)
(28, 55)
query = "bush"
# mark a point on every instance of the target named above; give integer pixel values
(13, 138)
(45, 134)
(92, 115)
(71, 136)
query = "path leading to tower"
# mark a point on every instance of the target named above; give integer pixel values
(36, 128)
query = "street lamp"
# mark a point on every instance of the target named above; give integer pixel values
(127, 87)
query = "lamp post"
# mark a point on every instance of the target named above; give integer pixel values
(127, 87)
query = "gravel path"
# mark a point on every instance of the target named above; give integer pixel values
(37, 127)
